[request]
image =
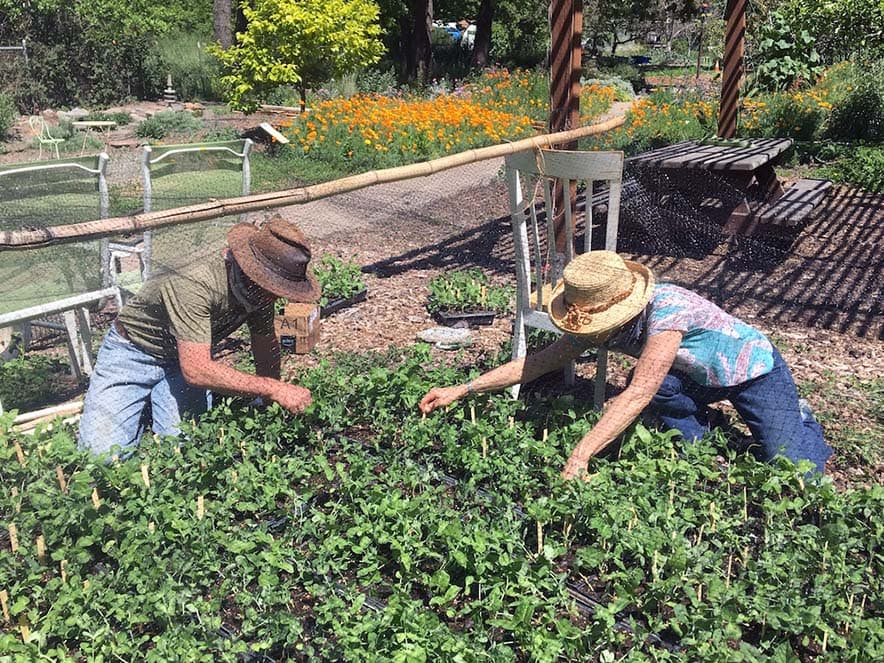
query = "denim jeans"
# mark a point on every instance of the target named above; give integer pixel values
(767, 404)
(125, 382)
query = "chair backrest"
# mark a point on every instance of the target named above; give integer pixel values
(544, 230)
(535, 232)
(39, 127)
(189, 174)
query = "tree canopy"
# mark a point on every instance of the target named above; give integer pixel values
(297, 42)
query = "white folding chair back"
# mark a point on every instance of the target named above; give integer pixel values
(533, 175)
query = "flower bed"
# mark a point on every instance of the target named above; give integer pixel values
(375, 131)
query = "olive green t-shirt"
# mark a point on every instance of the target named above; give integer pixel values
(191, 304)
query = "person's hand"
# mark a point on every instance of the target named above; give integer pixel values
(292, 397)
(575, 467)
(440, 397)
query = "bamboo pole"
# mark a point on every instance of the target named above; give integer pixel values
(65, 408)
(137, 223)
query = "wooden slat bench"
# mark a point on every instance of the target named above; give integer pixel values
(795, 204)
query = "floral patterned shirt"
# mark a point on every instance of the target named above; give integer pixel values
(717, 349)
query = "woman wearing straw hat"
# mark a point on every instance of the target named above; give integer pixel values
(690, 354)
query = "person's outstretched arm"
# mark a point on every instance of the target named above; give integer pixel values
(200, 370)
(653, 365)
(552, 357)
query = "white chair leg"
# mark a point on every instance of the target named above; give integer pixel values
(520, 346)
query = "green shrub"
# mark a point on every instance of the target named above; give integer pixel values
(168, 122)
(623, 90)
(375, 81)
(797, 115)
(862, 167)
(467, 291)
(28, 382)
(7, 114)
(624, 71)
(338, 279)
(122, 118)
(860, 115)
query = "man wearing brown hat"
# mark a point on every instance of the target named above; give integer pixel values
(158, 352)
(690, 354)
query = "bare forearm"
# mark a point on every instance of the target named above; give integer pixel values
(224, 379)
(526, 369)
(618, 416)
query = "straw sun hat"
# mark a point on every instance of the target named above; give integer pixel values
(599, 292)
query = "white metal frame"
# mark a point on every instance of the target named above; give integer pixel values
(73, 308)
(147, 161)
(537, 270)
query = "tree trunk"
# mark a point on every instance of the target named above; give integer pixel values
(482, 45)
(242, 23)
(420, 53)
(302, 89)
(222, 12)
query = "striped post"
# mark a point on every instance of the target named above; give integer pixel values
(735, 16)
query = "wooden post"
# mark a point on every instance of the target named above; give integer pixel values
(734, 49)
(4, 604)
(566, 57)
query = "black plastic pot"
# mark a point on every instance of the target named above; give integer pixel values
(336, 305)
(473, 319)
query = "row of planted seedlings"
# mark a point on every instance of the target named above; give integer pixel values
(722, 556)
(263, 533)
(272, 534)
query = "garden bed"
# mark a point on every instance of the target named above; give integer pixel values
(287, 537)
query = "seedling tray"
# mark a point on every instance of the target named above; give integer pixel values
(474, 319)
(336, 305)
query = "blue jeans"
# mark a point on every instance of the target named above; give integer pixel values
(125, 381)
(768, 404)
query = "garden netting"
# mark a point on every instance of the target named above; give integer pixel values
(365, 529)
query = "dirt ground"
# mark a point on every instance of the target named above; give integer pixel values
(816, 291)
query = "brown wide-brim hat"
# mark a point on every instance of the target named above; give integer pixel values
(276, 256)
(599, 292)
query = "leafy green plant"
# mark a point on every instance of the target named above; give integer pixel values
(122, 118)
(467, 291)
(861, 166)
(164, 123)
(860, 115)
(29, 381)
(785, 56)
(338, 279)
(8, 113)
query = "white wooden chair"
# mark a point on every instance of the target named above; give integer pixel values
(538, 266)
